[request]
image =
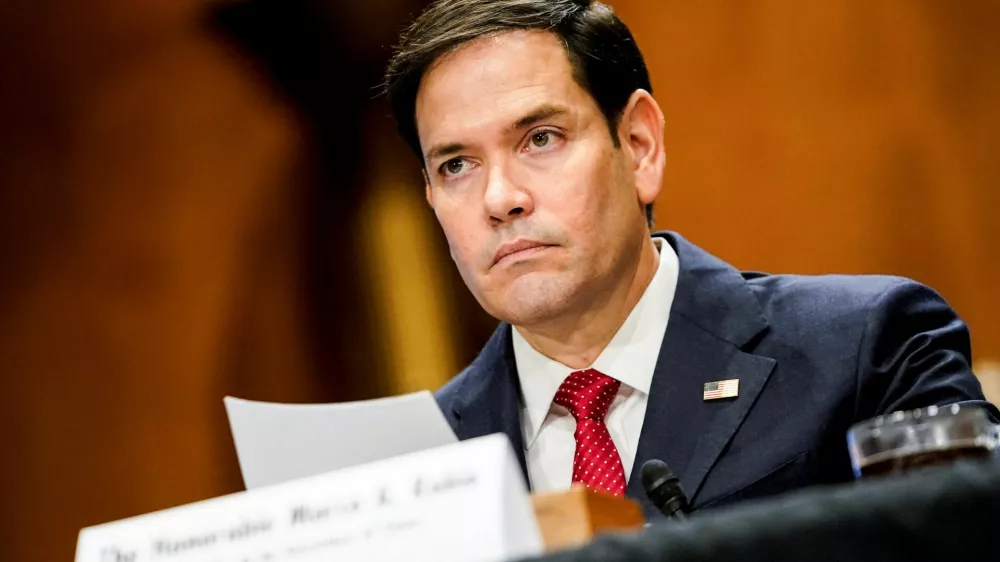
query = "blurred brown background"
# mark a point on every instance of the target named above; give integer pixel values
(200, 199)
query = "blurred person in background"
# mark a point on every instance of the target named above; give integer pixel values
(542, 154)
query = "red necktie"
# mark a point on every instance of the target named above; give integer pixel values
(588, 395)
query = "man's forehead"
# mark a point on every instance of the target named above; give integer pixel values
(494, 79)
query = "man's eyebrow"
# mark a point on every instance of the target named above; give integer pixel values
(443, 150)
(540, 114)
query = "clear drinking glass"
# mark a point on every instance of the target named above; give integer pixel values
(903, 441)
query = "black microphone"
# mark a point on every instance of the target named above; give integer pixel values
(663, 488)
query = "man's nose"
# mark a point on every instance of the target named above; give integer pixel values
(506, 198)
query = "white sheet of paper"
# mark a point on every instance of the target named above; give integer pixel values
(280, 442)
(464, 502)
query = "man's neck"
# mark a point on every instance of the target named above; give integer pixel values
(578, 340)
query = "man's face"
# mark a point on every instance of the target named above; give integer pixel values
(539, 207)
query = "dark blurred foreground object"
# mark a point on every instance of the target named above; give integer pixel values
(937, 514)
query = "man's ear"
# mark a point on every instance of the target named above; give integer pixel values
(641, 135)
(428, 193)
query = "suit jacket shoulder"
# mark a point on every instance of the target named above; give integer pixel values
(819, 299)
(903, 343)
(831, 311)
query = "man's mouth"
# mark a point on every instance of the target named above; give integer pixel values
(518, 248)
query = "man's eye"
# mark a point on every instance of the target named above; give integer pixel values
(541, 139)
(544, 140)
(453, 167)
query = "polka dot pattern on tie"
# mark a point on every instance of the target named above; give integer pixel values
(588, 395)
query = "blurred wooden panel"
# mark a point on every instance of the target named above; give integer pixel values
(844, 136)
(149, 264)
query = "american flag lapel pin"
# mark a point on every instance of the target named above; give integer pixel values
(717, 390)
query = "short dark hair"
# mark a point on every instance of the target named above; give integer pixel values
(605, 59)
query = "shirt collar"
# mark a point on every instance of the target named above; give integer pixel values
(630, 356)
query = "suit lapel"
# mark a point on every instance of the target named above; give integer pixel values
(713, 317)
(489, 400)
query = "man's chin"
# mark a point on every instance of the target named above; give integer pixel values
(532, 301)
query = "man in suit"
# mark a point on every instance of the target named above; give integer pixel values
(542, 149)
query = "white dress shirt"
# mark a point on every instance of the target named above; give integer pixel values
(630, 357)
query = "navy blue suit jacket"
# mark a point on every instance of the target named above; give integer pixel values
(813, 356)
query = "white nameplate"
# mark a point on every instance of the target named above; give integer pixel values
(461, 502)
